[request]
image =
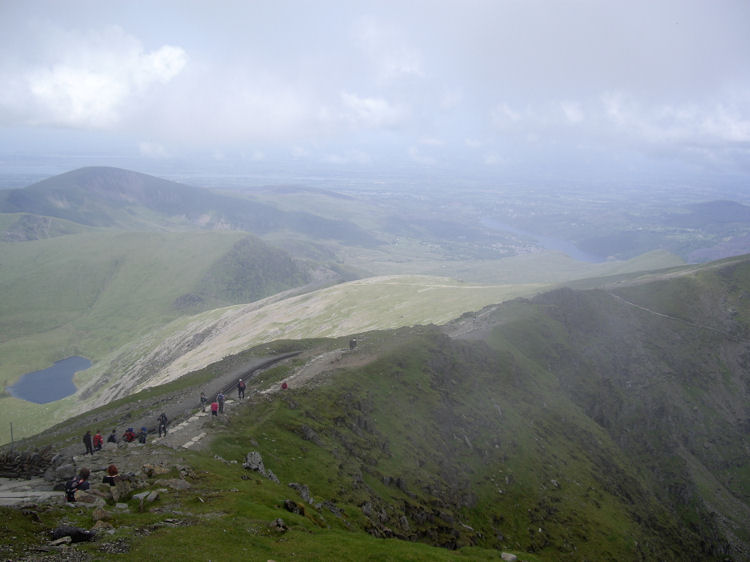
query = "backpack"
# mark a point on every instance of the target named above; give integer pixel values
(242, 385)
(71, 486)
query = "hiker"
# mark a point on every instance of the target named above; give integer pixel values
(112, 437)
(214, 408)
(203, 401)
(220, 400)
(80, 482)
(129, 435)
(163, 423)
(241, 389)
(87, 442)
(352, 343)
(142, 435)
(112, 475)
(98, 441)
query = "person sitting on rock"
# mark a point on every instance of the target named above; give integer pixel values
(142, 435)
(80, 482)
(112, 437)
(129, 435)
(112, 475)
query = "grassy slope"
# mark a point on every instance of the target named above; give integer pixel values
(567, 430)
(89, 294)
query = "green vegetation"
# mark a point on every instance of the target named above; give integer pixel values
(573, 425)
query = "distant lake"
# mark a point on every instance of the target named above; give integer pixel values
(546, 242)
(50, 384)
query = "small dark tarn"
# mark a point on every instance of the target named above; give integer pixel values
(50, 384)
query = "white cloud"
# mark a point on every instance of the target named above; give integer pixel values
(572, 111)
(371, 112)
(502, 115)
(678, 124)
(86, 80)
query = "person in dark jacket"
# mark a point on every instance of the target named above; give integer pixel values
(80, 482)
(112, 437)
(162, 419)
(112, 475)
(87, 442)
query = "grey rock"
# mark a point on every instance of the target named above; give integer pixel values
(303, 491)
(177, 483)
(293, 507)
(279, 525)
(508, 557)
(65, 471)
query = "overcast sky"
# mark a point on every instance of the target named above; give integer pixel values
(483, 86)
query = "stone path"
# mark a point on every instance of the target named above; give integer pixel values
(189, 432)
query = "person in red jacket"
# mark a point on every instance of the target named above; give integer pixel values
(98, 441)
(214, 408)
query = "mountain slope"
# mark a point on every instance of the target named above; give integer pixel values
(113, 197)
(598, 424)
(91, 293)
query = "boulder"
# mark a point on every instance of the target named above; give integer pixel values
(102, 526)
(303, 491)
(89, 500)
(65, 471)
(176, 483)
(121, 490)
(101, 514)
(254, 462)
(293, 507)
(279, 525)
(508, 557)
(153, 470)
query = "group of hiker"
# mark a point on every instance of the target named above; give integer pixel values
(217, 406)
(96, 442)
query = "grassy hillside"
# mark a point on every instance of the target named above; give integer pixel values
(90, 293)
(600, 424)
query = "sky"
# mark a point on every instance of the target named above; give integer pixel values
(578, 88)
